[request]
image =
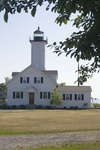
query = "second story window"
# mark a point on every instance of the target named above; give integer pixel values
(34, 79)
(28, 79)
(41, 79)
(24, 80)
(38, 80)
(21, 80)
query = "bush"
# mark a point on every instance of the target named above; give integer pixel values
(22, 107)
(65, 107)
(13, 106)
(4, 106)
(38, 106)
(56, 98)
(48, 107)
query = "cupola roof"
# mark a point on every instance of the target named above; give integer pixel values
(38, 31)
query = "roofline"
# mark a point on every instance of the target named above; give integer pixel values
(27, 68)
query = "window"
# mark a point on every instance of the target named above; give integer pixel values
(70, 96)
(21, 94)
(49, 95)
(67, 97)
(24, 80)
(45, 95)
(79, 97)
(21, 80)
(34, 79)
(17, 95)
(28, 79)
(13, 94)
(75, 96)
(40, 95)
(82, 96)
(63, 96)
(38, 79)
(41, 79)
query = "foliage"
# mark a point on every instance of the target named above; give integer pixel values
(62, 84)
(7, 79)
(3, 86)
(96, 105)
(83, 44)
(3, 92)
(56, 98)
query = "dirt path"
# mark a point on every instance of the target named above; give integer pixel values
(15, 141)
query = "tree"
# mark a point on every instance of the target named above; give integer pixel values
(62, 84)
(56, 98)
(7, 79)
(82, 45)
(3, 92)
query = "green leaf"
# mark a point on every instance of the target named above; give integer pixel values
(54, 43)
(6, 16)
(33, 11)
(40, 2)
(65, 21)
(18, 9)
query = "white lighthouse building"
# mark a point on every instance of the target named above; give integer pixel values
(38, 50)
(34, 85)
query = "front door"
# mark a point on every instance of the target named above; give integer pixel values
(31, 98)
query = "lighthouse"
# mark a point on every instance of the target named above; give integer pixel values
(38, 49)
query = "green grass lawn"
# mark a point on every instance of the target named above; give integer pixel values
(48, 121)
(84, 146)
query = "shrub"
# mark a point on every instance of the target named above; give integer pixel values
(22, 107)
(4, 106)
(38, 107)
(14, 107)
(56, 98)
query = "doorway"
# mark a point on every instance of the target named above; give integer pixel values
(31, 98)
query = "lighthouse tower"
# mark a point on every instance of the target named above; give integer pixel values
(38, 50)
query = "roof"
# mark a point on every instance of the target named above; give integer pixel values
(32, 67)
(38, 31)
(74, 88)
(50, 71)
(15, 73)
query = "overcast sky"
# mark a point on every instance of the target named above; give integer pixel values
(15, 48)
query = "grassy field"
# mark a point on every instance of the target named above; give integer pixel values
(48, 121)
(84, 146)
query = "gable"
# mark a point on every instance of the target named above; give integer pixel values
(31, 72)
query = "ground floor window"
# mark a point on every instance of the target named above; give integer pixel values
(17, 95)
(67, 96)
(73, 96)
(79, 96)
(45, 95)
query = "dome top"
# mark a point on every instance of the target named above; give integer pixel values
(38, 35)
(38, 31)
